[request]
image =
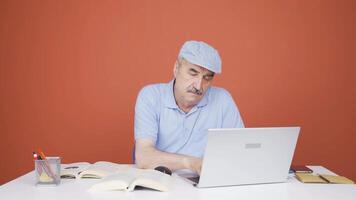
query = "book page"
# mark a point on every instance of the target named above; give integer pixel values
(151, 179)
(118, 181)
(102, 169)
(72, 170)
(127, 179)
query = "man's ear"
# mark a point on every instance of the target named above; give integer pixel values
(175, 69)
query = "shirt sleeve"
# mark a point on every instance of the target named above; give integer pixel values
(146, 114)
(231, 114)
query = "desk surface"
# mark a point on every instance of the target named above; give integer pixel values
(24, 188)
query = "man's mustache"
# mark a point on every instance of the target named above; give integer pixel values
(195, 91)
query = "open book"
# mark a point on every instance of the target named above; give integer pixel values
(98, 170)
(128, 179)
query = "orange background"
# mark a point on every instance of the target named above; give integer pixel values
(71, 71)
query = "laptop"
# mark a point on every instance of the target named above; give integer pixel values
(242, 156)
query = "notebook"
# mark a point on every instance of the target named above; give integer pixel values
(243, 156)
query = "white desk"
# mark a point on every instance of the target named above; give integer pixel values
(24, 188)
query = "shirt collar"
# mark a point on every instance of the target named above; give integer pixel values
(170, 101)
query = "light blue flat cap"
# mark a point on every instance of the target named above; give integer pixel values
(202, 54)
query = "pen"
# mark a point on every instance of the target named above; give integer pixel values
(35, 156)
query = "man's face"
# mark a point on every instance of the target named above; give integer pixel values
(192, 82)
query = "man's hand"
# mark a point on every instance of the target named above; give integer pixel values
(193, 163)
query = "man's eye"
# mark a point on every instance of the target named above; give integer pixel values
(208, 78)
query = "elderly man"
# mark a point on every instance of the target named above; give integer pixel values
(171, 119)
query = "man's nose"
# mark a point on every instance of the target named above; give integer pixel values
(198, 83)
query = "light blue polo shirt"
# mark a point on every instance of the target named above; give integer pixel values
(158, 117)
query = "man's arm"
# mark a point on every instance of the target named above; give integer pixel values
(231, 117)
(147, 156)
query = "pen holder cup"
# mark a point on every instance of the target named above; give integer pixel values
(48, 171)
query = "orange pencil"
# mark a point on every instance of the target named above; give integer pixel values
(41, 153)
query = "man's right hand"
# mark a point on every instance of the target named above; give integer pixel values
(193, 163)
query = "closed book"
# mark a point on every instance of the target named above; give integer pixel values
(309, 178)
(336, 179)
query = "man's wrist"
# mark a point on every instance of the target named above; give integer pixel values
(186, 162)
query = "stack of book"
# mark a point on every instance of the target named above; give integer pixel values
(306, 175)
